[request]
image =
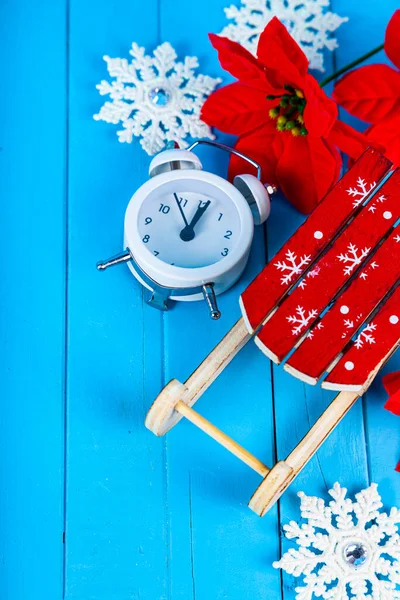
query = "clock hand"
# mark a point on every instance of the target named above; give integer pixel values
(199, 213)
(181, 210)
(187, 234)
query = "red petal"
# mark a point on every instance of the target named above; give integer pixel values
(392, 386)
(393, 404)
(387, 133)
(235, 109)
(262, 145)
(348, 140)
(392, 39)
(283, 58)
(240, 63)
(391, 382)
(321, 112)
(307, 170)
(369, 93)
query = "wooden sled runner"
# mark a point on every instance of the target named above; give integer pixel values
(327, 305)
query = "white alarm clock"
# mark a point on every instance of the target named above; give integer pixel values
(188, 232)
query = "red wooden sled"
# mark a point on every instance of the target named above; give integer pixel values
(327, 305)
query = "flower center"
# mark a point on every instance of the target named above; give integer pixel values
(289, 112)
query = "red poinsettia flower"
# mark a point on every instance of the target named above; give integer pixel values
(372, 93)
(284, 120)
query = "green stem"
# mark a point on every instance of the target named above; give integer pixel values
(351, 65)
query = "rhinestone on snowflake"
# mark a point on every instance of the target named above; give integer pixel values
(355, 553)
(156, 98)
(308, 21)
(159, 96)
(346, 550)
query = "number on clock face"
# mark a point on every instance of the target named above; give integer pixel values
(189, 229)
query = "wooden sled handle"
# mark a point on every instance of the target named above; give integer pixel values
(284, 472)
(162, 415)
(166, 411)
(176, 399)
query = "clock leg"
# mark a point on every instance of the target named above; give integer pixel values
(159, 299)
(122, 257)
(210, 298)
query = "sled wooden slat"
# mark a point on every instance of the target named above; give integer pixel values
(338, 206)
(336, 328)
(331, 272)
(353, 371)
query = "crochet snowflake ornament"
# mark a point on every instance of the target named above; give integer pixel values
(156, 98)
(347, 550)
(307, 21)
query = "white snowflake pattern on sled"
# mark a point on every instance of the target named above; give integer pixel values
(156, 98)
(301, 319)
(346, 550)
(309, 22)
(292, 265)
(361, 190)
(366, 336)
(353, 257)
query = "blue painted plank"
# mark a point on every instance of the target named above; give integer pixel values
(209, 488)
(117, 525)
(345, 456)
(219, 548)
(364, 31)
(32, 274)
(146, 518)
(383, 438)
(381, 428)
(297, 407)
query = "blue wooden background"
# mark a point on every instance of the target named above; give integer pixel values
(93, 506)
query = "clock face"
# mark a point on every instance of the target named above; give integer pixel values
(189, 229)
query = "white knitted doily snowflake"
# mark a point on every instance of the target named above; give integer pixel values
(155, 97)
(308, 21)
(346, 550)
